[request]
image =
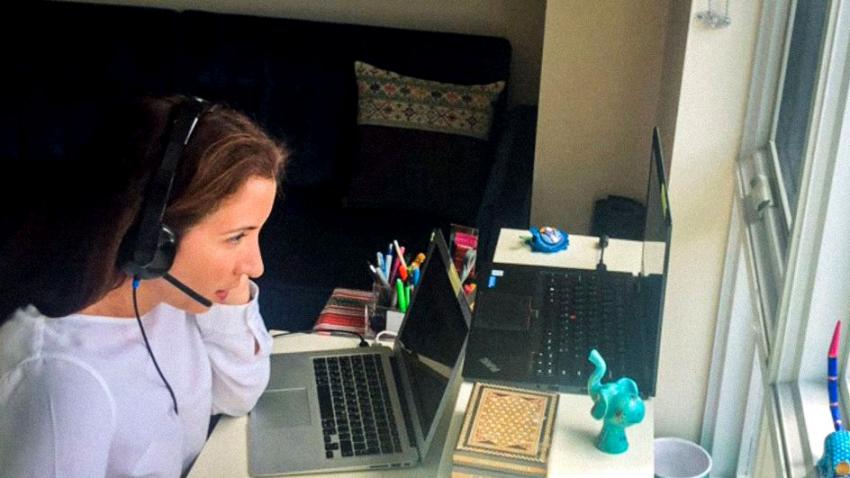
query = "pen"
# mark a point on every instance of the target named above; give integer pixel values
(402, 295)
(388, 260)
(400, 252)
(379, 274)
(420, 258)
(416, 275)
(380, 262)
(394, 272)
(832, 377)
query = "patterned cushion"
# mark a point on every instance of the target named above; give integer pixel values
(389, 99)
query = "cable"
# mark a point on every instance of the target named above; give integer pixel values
(148, 346)
(386, 333)
(603, 243)
(362, 343)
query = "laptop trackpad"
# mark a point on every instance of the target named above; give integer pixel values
(505, 312)
(283, 408)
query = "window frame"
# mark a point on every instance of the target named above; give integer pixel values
(789, 263)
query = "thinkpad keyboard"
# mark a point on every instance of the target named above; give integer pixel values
(580, 311)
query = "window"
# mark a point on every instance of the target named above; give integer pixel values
(795, 105)
(787, 275)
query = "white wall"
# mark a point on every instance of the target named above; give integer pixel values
(600, 83)
(712, 102)
(678, 21)
(610, 71)
(520, 21)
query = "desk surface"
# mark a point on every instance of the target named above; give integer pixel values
(621, 255)
(573, 452)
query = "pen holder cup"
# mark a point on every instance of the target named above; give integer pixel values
(379, 318)
(383, 295)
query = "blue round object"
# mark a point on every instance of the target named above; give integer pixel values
(548, 239)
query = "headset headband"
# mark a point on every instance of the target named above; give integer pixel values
(147, 242)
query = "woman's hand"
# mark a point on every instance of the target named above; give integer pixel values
(241, 294)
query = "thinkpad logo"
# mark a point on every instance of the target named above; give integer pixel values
(489, 364)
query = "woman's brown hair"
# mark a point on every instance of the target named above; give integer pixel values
(62, 256)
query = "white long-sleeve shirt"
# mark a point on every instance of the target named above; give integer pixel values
(80, 396)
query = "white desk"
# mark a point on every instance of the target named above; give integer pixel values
(573, 451)
(226, 452)
(621, 255)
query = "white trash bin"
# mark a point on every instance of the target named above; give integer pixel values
(678, 458)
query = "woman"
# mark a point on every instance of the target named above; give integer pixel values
(104, 375)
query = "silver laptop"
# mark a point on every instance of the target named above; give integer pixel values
(370, 407)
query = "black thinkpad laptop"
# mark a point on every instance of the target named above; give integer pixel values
(535, 326)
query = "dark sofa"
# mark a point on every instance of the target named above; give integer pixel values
(297, 79)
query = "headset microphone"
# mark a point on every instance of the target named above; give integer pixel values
(187, 290)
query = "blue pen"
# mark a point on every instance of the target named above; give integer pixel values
(379, 274)
(388, 261)
(383, 278)
(380, 261)
(416, 276)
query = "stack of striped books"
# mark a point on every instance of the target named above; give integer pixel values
(346, 309)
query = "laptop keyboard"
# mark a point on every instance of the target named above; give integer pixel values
(580, 312)
(354, 403)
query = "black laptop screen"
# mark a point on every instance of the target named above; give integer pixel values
(658, 224)
(433, 332)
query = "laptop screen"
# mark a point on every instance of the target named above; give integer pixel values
(433, 333)
(656, 241)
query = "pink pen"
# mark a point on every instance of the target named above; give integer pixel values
(394, 272)
(400, 252)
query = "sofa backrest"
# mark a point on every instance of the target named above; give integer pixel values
(295, 77)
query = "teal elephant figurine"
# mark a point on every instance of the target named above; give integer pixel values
(617, 404)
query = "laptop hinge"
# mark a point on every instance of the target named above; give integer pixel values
(405, 407)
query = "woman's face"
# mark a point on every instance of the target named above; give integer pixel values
(218, 255)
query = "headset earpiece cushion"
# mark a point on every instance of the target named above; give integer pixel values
(163, 257)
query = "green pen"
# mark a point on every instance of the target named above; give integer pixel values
(402, 296)
(407, 289)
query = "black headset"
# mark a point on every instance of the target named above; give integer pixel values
(148, 249)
